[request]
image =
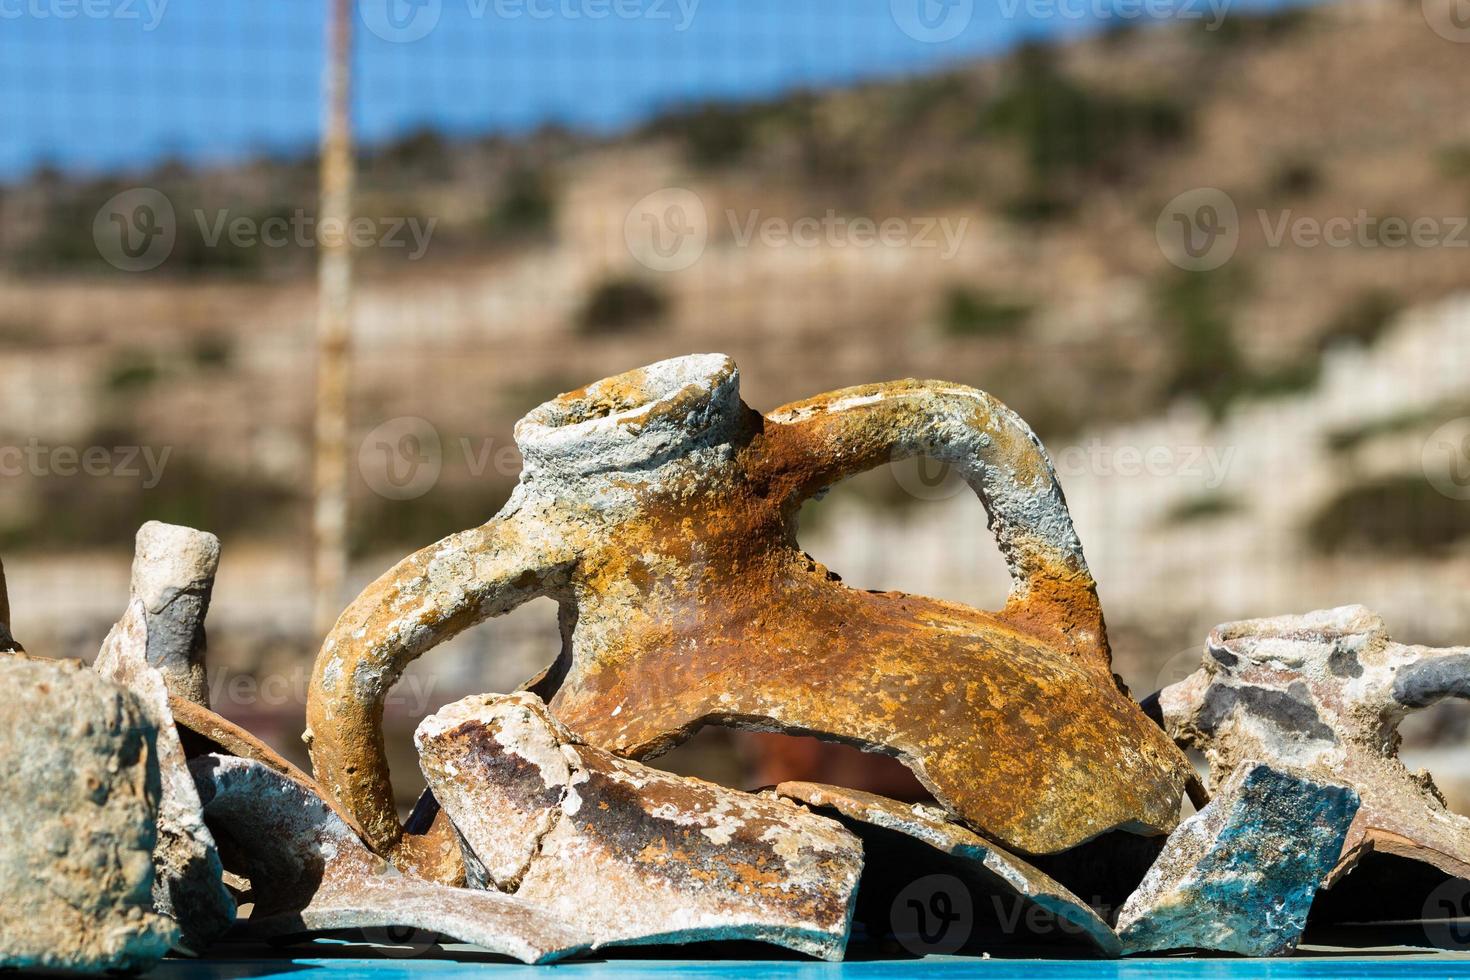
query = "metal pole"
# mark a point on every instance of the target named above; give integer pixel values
(334, 323)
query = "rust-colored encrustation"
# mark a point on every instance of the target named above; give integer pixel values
(660, 512)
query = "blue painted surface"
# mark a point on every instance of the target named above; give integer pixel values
(949, 968)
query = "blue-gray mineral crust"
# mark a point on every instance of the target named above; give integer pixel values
(1240, 875)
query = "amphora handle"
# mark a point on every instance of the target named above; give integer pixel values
(833, 436)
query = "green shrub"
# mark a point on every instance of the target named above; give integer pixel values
(1239, 28)
(1201, 507)
(527, 204)
(1039, 205)
(1363, 319)
(1348, 439)
(84, 512)
(1195, 310)
(423, 152)
(212, 351)
(1454, 160)
(1067, 129)
(973, 313)
(1401, 515)
(130, 371)
(1295, 178)
(622, 304)
(378, 524)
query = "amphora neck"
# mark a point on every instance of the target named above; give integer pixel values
(635, 421)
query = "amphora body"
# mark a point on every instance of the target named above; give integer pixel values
(660, 512)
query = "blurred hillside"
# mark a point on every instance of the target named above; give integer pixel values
(1310, 376)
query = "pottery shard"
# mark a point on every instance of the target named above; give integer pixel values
(628, 852)
(1324, 693)
(79, 791)
(309, 872)
(189, 886)
(173, 576)
(1239, 876)
(971, 856)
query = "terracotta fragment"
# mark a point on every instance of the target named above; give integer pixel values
(222, 735)
(660, 511)
(973, 856)
(173, 576)
(1325, 693)
(79, 792)
(1239, 875)
(626, 852)
(309, 872)
(188, 886)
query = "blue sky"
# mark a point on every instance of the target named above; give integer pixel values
(96, 85)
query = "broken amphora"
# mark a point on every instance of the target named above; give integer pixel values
(1324, 694)
(624, 851)
(309, 872)
(188, 885)
(660, 512)
(978, 864)
(1239, 876)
